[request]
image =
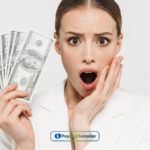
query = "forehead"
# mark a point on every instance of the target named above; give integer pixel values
(88, 20)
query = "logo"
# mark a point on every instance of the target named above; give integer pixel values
(64, 136)
(57, 135)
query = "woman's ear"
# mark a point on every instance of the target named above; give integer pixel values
(119, 43)
(57, 45)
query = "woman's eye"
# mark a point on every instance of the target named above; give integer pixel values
(103, 41)
(74, 41)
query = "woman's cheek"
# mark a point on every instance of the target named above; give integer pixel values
(68, 64)
(106, 59)
(109, 61)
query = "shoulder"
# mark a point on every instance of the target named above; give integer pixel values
(137, 106)
(134, 105)
(135, 101)
(137, 120)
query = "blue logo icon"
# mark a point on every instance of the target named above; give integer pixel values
(58, 136)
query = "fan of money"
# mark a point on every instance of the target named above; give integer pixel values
(22, 56)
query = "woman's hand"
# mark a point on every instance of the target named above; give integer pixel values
(87, 108)
(14, 117)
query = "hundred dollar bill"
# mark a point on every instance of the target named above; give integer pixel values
(5, 46)
(18, 44)
(9, 54)
(30, 62)
(1, 68)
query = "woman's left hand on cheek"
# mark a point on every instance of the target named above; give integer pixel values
(88, 108)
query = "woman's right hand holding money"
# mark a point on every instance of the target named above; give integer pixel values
(14, 117)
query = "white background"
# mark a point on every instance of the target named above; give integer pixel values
(39, 15)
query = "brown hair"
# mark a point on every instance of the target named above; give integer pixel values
(110, 6)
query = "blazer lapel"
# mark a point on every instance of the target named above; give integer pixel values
(109, 122)
(52, 115)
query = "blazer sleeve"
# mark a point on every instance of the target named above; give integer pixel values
(91, 145)
(5, 141)
(145, 143)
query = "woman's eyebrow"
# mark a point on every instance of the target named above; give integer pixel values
(103, 33)
(75, 33)
(96, 34)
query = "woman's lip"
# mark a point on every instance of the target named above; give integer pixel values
(88, 70)
(89, 86)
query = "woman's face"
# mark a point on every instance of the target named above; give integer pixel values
(87, 42)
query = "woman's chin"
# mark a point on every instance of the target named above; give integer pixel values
(84, 93)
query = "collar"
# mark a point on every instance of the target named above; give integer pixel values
(54, 101)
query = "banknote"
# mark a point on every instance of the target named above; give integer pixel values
(22, 57)
(1, 68)
(9, 52)
(4, 47)
(30, 62)
(18, 44)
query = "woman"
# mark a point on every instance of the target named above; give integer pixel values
(88, 38)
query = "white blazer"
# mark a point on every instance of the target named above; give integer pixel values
(124, 123)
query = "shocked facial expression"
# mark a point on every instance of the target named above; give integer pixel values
(87, 42)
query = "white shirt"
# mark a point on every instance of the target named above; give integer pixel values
(123, 124)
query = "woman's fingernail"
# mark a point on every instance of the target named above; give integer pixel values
(29, 113)
(119, 60)
(121, 57)
(15, 83)
(26, 93)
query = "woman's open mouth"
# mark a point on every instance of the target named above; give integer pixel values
(88, 79)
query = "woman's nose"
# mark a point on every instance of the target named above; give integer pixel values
(88, 56)
(88, 60)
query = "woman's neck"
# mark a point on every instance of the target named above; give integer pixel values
(72, 97)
